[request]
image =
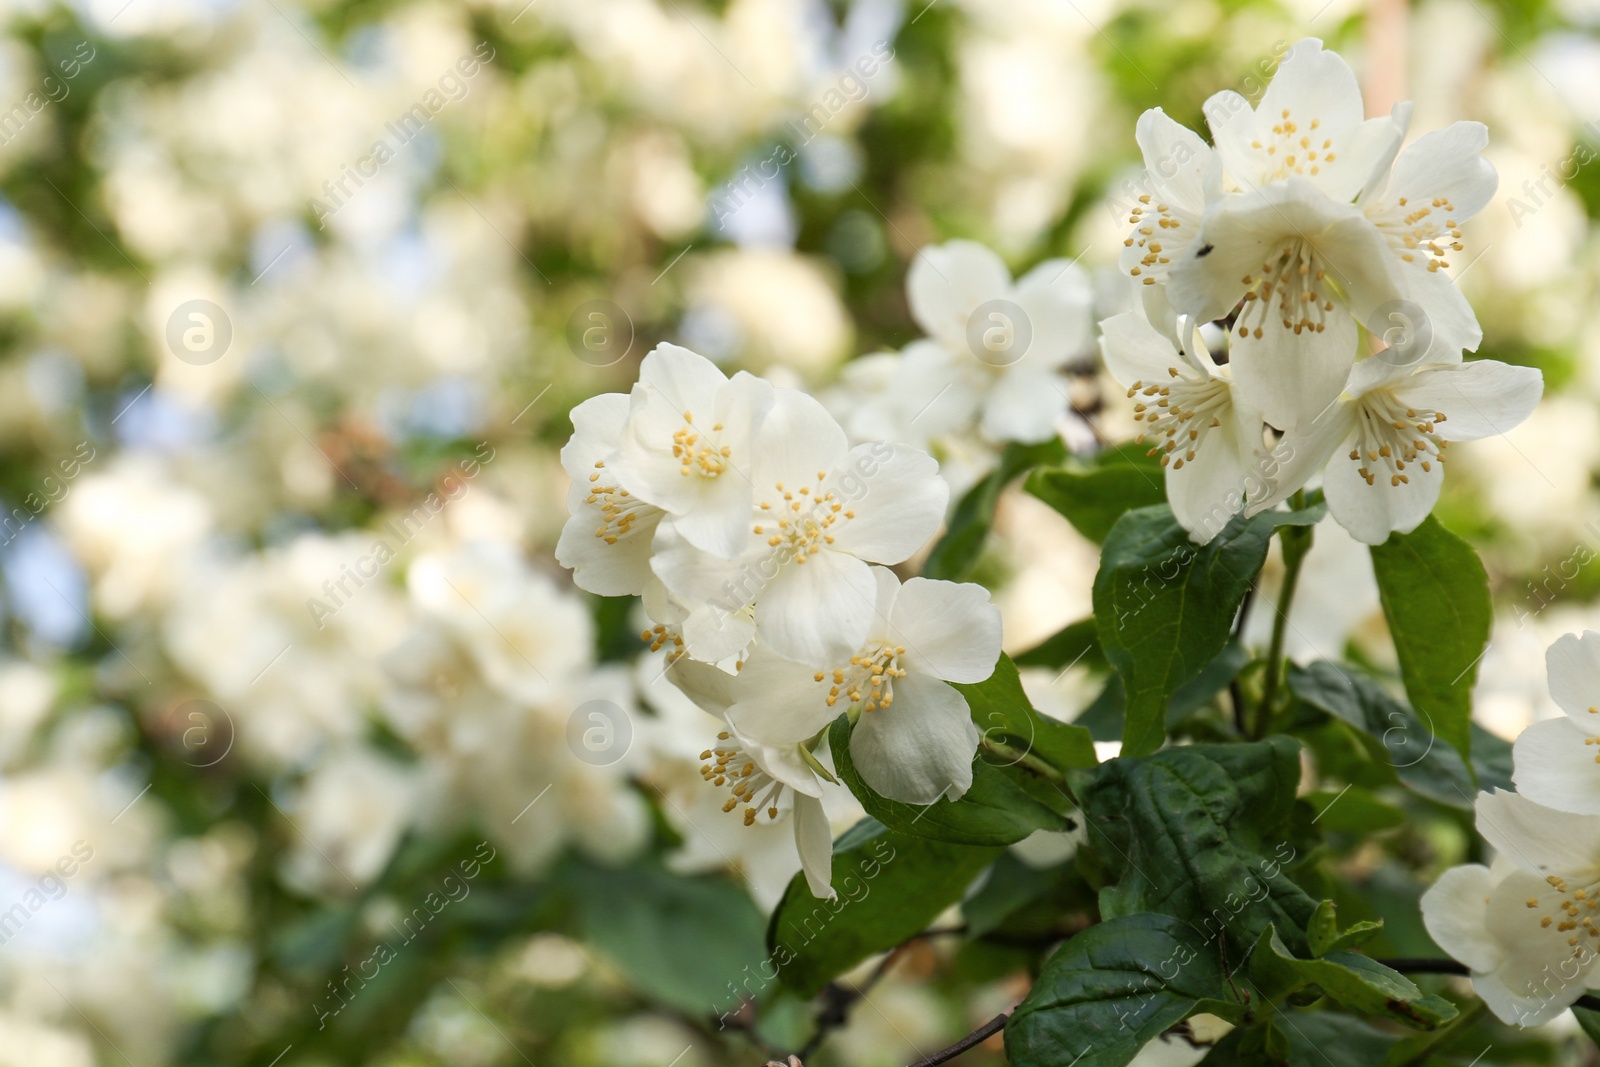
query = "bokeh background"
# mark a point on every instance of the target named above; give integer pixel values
(295, 296)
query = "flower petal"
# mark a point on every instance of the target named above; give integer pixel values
(1573, 665)
(946, 284)
(1136, 351)
(798, 440)
(1456, 912)
(1210, 489)
(1537, 839)
(1291, 378)
(1024, 404)
(1372, 512)
(817, 612)
(896, 497)
(950, 629)
(778, 702)
(1446, 164)
(920, 748)
(1482, 398)
(813, 838)
(1555, 766)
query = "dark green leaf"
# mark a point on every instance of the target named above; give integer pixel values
(1314, 1039)
(1589, 1020)
(1111, 989)
(1075, 643)
(648, 921)
(1353, 981)
(1396, 736)
(1093, 492)
(1436, 597)
(1165, 606)
(1202, 833)
(1011, 728)
(995, 810)
(888, 885)
(1353, 810)
(958, 550)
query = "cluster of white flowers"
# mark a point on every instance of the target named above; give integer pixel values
(761, 542)
(989, 371)
(1304, 224)
(1527, 924)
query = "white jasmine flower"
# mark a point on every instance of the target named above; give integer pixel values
(606, 541)
(1211, 446)
(1185, 177)
(822, 511)
(1526, 926)
(687, 445)
(1384, 440)
(1014, 391)
(1323, 238)
(915, 739)
(1556, 760)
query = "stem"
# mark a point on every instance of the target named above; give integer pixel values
(1027, 759)
(1295, 542)
(1241, 712)
(977, 1037)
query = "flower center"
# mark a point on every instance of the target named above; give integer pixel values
(868, 680)
(698, 452)
(1183, 411)
(1295, 151)
(1575, 905)
(751, 786)
(805, 518)
(1419, 231)
(1390, 435)
(620, 511)
(658, 637)
(1149, 219)
(1299, 282)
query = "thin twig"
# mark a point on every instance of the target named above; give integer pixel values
(977, 1037)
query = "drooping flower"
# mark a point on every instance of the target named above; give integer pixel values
(822, 511)
(768, 778)
(1557, 762)
(914, 739)
(606, 539)
(687, 446)
(1528, 926)
(1211, 446)
(1382, 444)
(1000, 343)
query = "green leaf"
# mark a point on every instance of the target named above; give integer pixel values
(1353, 810)
(648, 920)
(1324, 935)
(996, 810)
(1589, 1021)
(1353, 981)
(1093, 492)
(1435, 595)
(1394, 734)
(1314, 1039)
(889, 886)
(1114, 987)
(958, 550)
(1011, 730)
(1202, 833)
(1075, 643)
(1165, 606)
